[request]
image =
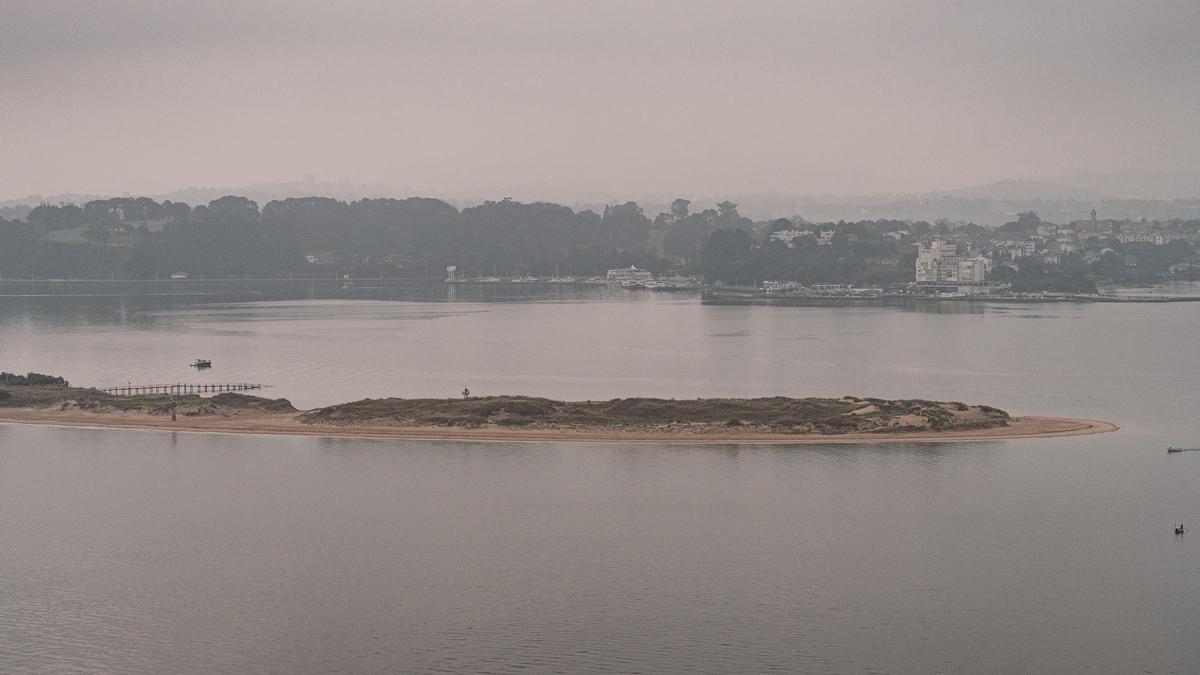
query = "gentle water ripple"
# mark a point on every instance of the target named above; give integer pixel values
(159, 552)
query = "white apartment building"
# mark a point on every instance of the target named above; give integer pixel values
(787, 236)
(941, 263)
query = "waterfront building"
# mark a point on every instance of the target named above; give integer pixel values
(789, 235)
(628, 275)
(785, 236)
(941, 262)
(773, 287)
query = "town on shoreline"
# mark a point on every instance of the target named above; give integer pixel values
(510, 242)
(768, 293)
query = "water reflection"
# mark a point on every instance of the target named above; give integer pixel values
(165, 552)
(936, 307)
(280, 552)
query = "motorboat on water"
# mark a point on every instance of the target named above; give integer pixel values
(202, 363)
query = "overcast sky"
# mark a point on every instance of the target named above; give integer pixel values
(604, 97)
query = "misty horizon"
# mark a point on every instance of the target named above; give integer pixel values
(1154, 185)
(599, 336)
(565, 100)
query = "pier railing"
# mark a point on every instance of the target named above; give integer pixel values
(179, 388)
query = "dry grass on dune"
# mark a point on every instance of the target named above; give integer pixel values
(775, 414)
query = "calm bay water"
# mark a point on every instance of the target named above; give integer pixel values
(157, 552)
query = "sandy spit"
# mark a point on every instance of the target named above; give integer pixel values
(288, 424)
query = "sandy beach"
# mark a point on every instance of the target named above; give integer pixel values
(289, 424)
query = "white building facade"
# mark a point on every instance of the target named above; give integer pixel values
(789, 235)
(629, 274)
(941, 263)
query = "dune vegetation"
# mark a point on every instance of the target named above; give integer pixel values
(776, 414)
(773, 415)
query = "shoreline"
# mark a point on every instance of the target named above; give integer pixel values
(288, 424)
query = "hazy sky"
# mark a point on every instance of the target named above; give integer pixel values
(601, 97)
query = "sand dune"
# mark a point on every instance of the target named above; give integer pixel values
(289, 424)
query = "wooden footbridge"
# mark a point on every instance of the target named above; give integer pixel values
(179, 388)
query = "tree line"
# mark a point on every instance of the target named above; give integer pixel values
(418, 237)
(233, 236)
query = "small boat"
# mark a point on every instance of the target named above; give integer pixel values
(1180, 529)
(1174, 449)
(202, 363)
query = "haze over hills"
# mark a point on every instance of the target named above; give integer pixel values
(1126, 194)
(599, 102)
(1089, 185)
(1022, 190)
(1138, 184)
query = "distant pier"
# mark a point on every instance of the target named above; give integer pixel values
(179, 388)
(749, 295)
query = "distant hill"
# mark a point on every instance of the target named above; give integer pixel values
(1162, 185)
(1024, 191)
(261, 193)
(65, 198)
(17, 209)
(1155, 195)
(266, 192)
